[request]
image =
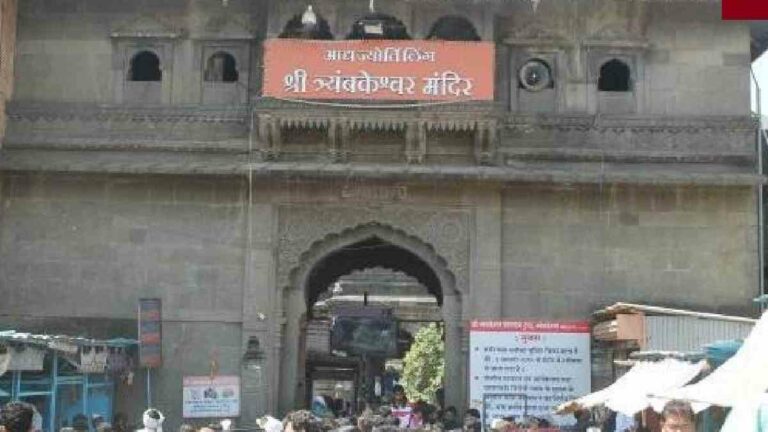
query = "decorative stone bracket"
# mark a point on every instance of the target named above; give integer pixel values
(415, 142)
(486, 142)
(338, 130)
(270, 136)
(338, 139)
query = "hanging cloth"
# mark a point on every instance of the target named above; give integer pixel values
(26, 358)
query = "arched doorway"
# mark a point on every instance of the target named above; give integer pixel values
(364, 247)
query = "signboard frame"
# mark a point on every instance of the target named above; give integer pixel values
(200, 396)
(379, 70)
(537, 362)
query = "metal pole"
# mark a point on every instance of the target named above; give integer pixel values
(54, 392)
(760, 210)
(149, 387)
(86, 395)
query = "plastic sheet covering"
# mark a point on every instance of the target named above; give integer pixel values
(740, 380)
(5, 360)
(629, 394)
(719, 352)
(751, 416)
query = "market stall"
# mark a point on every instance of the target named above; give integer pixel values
(629, 394)
(63, 376)
(741, 379)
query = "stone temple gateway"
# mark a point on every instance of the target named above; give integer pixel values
(141, 159)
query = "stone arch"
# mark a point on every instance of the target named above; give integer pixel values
(145, 66)
(221, 66)
(299, 295)
(334, 242)
(453, 28)
(615, 76)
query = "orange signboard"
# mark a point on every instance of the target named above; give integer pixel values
(379, 69)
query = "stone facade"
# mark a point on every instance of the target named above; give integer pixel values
(221, 202)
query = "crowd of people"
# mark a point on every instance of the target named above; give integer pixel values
(398, 416)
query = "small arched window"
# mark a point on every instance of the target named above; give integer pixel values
(453, 28)
(614, 76)
(145, 66)
(221, 67)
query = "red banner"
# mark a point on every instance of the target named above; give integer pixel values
(745, 9)
(379, 70)
(150, 333)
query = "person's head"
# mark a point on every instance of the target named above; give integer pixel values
(120, 422)
(96, 420)
(677, 416)
(440, 397)
(300, 421)
(153, 419)
(450, 413)
(186, 428)
(419, 412)
(398, 394)
(471, 416)
(384, 411)
(385, 428)
(17, 417)
(80, 422)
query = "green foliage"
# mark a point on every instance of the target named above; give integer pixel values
(424, 364)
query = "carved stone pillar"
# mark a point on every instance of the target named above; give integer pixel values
(338, 139)
(486, 142)
(269, 136)
(486, 250)
(258, 366)
(415, 142)
(291, 387)
(455, 356)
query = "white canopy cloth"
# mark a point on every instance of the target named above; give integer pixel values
(629, 394)
(740, 380)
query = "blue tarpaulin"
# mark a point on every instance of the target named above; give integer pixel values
(718, 352)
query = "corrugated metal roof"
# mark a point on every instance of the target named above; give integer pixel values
(689, 333)
(620, 308)
(51, 340)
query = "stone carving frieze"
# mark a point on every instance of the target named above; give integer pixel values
(446, 230)
(149, 26)
(65, 112)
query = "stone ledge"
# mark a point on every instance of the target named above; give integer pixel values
(438, 116)
(106, 143)
(49, 112)
(224, 164)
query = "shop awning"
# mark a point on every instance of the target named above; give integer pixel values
(741, 379)
(629, 394)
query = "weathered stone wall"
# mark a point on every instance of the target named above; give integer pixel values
(571, 250)
(84, 249)
(698, 64)
(67, 52)
(684, 59)
(93, 246)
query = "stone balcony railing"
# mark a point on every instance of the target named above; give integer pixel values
(468, 140)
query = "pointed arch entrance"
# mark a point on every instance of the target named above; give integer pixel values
(359, 248)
